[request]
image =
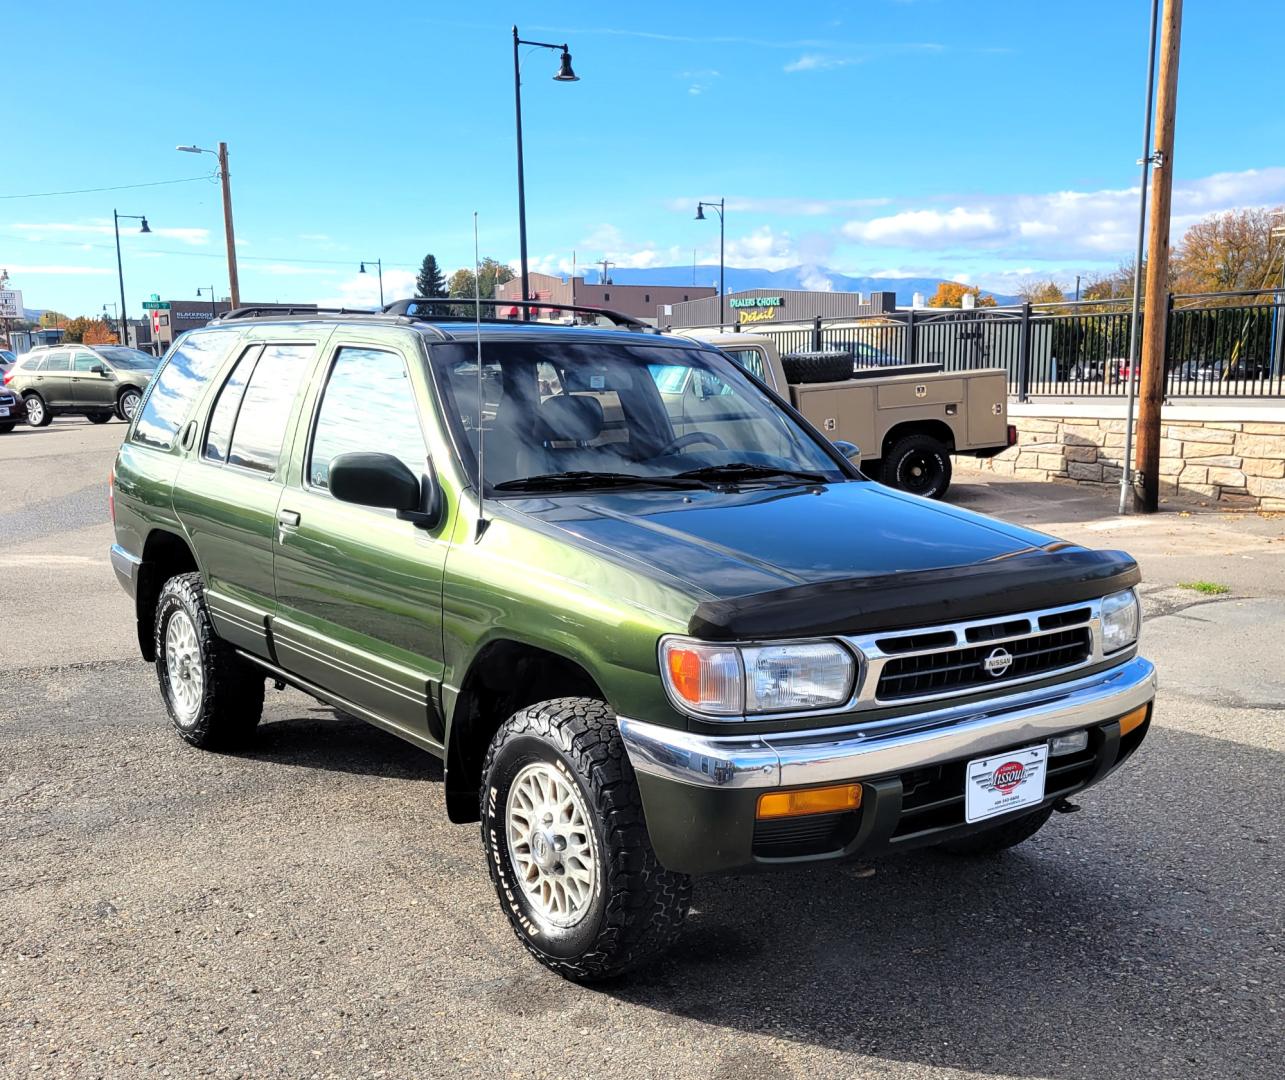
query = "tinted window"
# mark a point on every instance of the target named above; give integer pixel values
(223, 415)
(266, 405)
(33, 363)
(130, 359)
(57, 361)
(87, 361)
(368, 406)
(191, 363)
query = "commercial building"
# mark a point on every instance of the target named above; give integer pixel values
(640, 301)
(756, 307)
(176, 317)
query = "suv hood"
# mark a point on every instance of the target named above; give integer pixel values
(829, 558)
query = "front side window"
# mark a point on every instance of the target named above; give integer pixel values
(562, 413)
(266, 406)
(191, 363)
(368, 406)
(86, 362)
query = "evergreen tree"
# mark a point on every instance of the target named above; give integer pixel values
(430, 280)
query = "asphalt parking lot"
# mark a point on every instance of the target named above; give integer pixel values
(304, 909)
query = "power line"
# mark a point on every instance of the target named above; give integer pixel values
(119, 187)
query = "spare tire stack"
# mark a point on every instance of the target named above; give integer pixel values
(819, 366)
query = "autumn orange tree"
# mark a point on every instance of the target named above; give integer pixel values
(99, 332)
(950, 294)
(1231, 251)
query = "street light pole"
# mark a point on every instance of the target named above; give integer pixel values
(565, 74)
(700, 216)
(120, 269)
(214, 311)
(380, 267)
(234, 286)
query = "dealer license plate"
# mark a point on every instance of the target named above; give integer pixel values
(1003, 783)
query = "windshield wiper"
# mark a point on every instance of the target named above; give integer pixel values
(566, 481)
(742, 470)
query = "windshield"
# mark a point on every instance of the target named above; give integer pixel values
(586, 414)
(128, 359)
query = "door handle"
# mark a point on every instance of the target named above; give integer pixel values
(288, 517)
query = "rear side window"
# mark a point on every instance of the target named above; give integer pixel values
(368, 406)
(266, 405)
(191, 364)
(56, 361)
(223, 415)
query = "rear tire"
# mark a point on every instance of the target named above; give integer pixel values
(127, 404)
(1000, 838)
(918, 464)
(37, 411)
(214, 698)
(98, 417)
(579, 882)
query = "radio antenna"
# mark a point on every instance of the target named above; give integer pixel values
(481, 403)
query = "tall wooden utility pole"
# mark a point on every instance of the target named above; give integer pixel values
(234, 286)
(1152, 384)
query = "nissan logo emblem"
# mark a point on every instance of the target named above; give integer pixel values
(997, 662)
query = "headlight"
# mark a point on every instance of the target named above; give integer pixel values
(729, 680)
(1120, 619)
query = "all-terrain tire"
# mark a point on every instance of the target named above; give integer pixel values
(637, 908)
(225, 707)
(817, 367)
(1000, 838)
(38, 414)
(918, 464)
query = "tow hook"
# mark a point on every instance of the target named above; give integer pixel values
(1063, 806)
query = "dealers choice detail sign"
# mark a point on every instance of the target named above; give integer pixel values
(10, 304)
(754, 309)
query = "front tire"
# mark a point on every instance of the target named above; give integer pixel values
(1000, 838)
(918, 464)
(8, 426)
(37, 411)
(214, 698)
(98, 417)
(127, 404)
(567, 845)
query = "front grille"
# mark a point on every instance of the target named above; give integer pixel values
(956, 670)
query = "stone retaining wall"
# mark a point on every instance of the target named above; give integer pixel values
(1238, 463)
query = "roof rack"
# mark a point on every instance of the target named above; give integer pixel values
(292, 309)
(421, 307)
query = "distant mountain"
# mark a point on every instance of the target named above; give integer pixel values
(799, 277)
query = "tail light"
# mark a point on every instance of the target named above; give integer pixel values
(8, 377)
(1012, 434)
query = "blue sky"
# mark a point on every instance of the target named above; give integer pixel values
(988, 141)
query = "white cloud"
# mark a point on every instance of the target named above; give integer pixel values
(60, 271)
(812, 277)
(1063, 224)
(187, 236)
(38, 231)
(362, 290)
(789, 206)
(818, 62)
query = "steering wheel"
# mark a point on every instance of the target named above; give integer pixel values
(691, 439)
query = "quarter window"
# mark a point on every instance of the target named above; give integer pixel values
(34, 363)
(192, 362)
(266, 405)
(368, 406)
(223, 415)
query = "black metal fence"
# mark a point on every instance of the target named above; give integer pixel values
(1217, 344)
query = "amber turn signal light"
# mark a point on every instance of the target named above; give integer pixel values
(825, 800)
(1131, 720)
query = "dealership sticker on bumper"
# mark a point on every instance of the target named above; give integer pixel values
(1005, 782)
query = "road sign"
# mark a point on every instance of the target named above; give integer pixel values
(10, 304)
(156, 305)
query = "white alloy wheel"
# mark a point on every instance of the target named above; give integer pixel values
(551, 844)
(184, 668)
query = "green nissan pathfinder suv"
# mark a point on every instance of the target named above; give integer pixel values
(653, 632)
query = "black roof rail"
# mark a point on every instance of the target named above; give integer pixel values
(260, 310)
(419, 307)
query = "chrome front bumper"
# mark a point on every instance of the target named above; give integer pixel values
(855, 752)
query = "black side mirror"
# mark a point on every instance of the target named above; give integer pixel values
(384, 481)
(850, 450)
(98, 369)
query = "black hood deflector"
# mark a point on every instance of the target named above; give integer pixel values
(1028, 580)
